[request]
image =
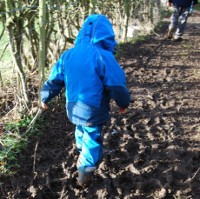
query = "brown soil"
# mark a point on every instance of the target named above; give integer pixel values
(152, 151)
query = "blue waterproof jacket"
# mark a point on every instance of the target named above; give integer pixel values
(90, 74)
(183, 3)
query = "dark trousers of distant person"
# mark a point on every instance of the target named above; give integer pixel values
(178, 22)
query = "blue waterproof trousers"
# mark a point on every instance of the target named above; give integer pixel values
(89, 141)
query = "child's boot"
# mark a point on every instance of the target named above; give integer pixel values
(84, 179)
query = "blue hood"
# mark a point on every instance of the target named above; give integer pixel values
(97, 30)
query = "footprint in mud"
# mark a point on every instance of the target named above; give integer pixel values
(125, 181)
(155, 187)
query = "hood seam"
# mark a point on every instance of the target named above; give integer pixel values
(100, 58)
(94, 29)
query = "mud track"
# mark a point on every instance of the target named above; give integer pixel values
(153, 151)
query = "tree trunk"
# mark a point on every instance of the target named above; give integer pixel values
(15, 44)
(92, 6)
(42, 47)
(1, 81)
(126, 19)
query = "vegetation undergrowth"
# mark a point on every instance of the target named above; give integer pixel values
(15, 139)
(166, 13)
(197, 8)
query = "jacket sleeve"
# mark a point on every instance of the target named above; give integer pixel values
(115, 81)
(195, 2)
(54, 83)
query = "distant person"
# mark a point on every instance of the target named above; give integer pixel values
(92, 77)
(179, 17)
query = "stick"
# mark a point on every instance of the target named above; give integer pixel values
(192, 178)
(36, 146)
(63, 192)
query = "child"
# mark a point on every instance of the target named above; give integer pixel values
(181, 9)
(91, 76)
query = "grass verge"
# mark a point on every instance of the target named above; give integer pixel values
(15, 139)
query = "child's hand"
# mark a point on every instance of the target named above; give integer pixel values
(44, 106)
(122, 110)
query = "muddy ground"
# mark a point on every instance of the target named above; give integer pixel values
(153, 151)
